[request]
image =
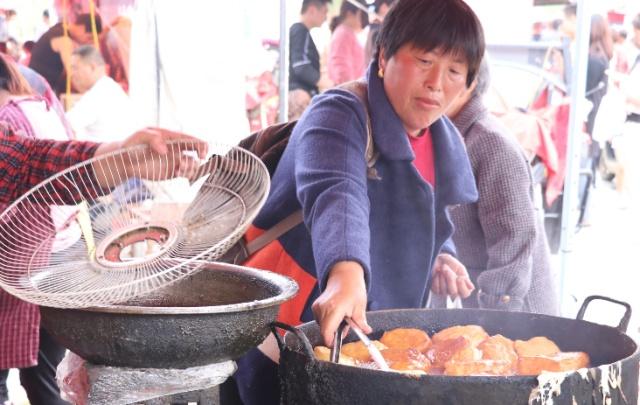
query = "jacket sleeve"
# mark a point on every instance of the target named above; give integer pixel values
(300, 45)
(507, 218)
(331, 181)
(24, 163)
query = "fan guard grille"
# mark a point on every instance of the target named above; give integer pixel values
(135, 238)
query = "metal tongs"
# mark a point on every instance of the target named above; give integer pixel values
(373, 350)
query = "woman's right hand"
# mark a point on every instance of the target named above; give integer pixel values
(345, 295)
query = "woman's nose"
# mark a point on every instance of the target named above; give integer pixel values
(434, 78)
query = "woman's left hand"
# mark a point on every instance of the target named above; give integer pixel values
(450, 277)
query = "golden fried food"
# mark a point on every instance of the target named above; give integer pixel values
(358, 351)
(500, 348)
(406, 359)
(460, 351)
(324, 353)
(474, 333)
(565, 361)
(536, 346)
(404, 338)
(458, 348)
(478, 367)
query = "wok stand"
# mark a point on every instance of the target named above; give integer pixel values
(92, 384)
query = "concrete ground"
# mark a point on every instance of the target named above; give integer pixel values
(603, 261)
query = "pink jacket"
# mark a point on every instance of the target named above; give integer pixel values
(346, 56)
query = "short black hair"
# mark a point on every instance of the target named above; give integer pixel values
(379, 3)
(571, 9)
(636, 22)
(347, 7)
(449, 25)
(85, 20)
(317, 3)
(28, 45)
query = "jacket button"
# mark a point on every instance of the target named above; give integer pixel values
(505, 299)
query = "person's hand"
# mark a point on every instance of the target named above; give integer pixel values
(345, 295)
(163, 162)
(450, 277)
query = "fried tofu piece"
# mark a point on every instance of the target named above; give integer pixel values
(474, 333)
(405, 338)
(324, 353)
(565, 361)
(499, 348)
(406, 359)
(478, 367)
(536, 346)
(358, 351)
(458, 348)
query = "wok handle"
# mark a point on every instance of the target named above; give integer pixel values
(306, 345)
(624, 322)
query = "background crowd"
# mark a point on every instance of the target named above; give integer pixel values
(70, 80)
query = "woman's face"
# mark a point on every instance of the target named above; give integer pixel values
(421, 85)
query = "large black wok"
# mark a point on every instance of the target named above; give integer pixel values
(214, 315)
(613, 376)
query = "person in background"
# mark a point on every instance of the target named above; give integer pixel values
(600, 53)
(633, 50)
(25, 113)
(627, 146)
(115, 45)
(41, 87)
(51, 55)
(620, 60)
(381, 8)
(376, 227)
(569, 22)
(13, 49)
(104, 109)
(500, 238)
(304, 59)
(27, 48)
(44, 26)
(13, 28)
(346, 55)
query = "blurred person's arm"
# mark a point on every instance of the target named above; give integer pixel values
(507, 217)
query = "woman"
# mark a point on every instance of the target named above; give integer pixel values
(500, 239)
(371, 243)
(27, 114)
(346, 54)
(26, 120)
(600, 54)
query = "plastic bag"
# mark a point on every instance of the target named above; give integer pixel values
(83, 383)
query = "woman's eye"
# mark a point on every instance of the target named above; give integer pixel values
(425, 61)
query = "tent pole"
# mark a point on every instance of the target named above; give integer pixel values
(570, 198)
(283, 77)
